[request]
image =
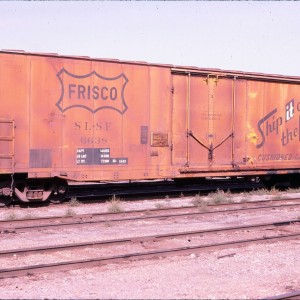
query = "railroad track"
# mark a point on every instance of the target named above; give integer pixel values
(161, 252)
(290, 295)
(25, 225)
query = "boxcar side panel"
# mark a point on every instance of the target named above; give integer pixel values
(221, 122)
(14, 114)
(242, 129)
(203, 122)
(197, 118)
(105, 108)
(160, 127)
(273, 112)
(45, 130)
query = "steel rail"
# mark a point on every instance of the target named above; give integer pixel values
(48, 249)
(88, 218)
(141, 211)
(95, 262)
(290, 295)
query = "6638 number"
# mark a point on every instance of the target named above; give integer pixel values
(93, 140)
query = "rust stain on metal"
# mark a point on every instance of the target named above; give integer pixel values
(159, 139)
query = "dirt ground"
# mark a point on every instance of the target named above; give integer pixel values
(249, 272)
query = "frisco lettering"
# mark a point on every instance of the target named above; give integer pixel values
(88, 92)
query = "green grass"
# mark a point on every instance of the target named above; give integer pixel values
(115, 204)
(293, 190)
(70, 212)
(200, 202)
(11, 216)
(197, 200)
(220, 197)
(261, 192)
(74, 202)
(159, 206)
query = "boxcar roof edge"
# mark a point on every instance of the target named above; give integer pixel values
(175, 69)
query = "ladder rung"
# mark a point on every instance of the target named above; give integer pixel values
(6, 121)
(6, 138)
(10, 139)
(6, 156)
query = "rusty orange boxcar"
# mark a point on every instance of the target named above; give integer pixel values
(66, 118)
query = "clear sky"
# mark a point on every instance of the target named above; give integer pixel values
(247, 36)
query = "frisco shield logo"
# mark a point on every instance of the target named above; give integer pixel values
(91, 91)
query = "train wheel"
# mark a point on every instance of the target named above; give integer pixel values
(269, 181)
(5, 194)
(295, 181)
(60, 191)
(5, 201)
